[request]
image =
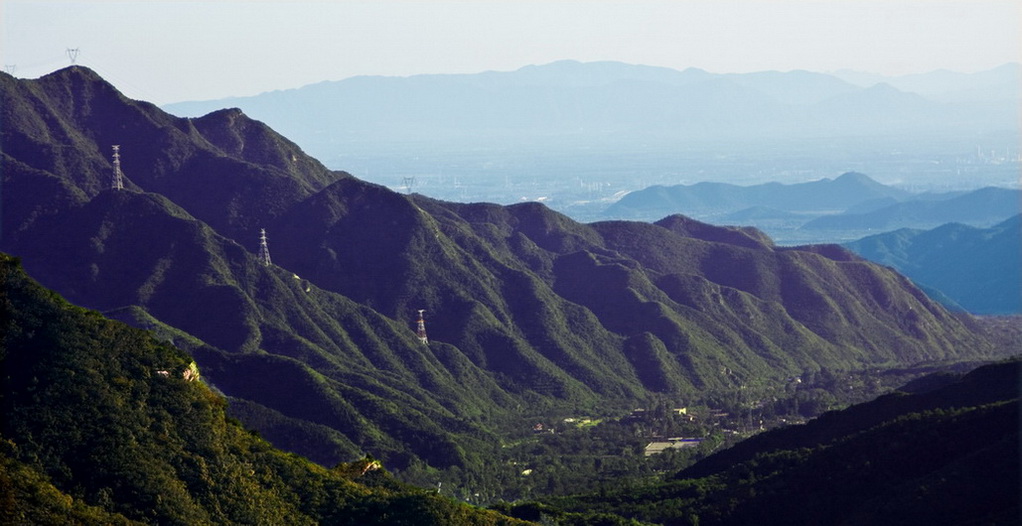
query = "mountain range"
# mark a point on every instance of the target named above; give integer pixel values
(946, 86)
(822, 196)
(599, 100)
(977, 269)
(840, 208)
(528, 312)
(982, 207)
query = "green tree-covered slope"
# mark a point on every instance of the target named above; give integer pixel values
(103, 424)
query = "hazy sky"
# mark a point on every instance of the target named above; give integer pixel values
(168, 51)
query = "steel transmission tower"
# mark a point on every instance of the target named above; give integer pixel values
(118, 183)
(421, 331)
(408, 183)
(264, 250)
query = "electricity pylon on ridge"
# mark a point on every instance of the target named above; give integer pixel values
(408, 183)
(118, 183)
(264, 249)
(421, 331)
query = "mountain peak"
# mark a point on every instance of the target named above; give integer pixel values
(81, 83)
(74, 72)
(857, 178)
(882, 87)
(592, 74)
(745, 237)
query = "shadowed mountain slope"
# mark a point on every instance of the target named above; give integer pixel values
(527, 310)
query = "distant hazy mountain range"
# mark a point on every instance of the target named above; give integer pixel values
(628, 102)
(947, 86)
(978, 268)
(982, 207)
(850, 205)
(962, 247)
(825, 195)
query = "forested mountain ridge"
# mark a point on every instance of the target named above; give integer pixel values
(128, 248)
(215, 166)
(528, 311)
(103, 424)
